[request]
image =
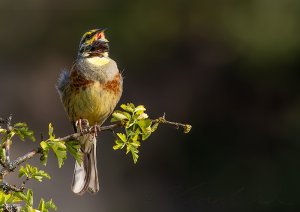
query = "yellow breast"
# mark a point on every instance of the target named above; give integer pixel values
(94, 103)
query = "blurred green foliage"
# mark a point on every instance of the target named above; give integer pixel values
(232, 67)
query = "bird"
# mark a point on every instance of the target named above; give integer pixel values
(90, 90)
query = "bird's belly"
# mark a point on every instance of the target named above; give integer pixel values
(92, 103)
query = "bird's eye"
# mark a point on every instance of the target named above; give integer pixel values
(88, 36)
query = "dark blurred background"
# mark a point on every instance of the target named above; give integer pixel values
(230, 68)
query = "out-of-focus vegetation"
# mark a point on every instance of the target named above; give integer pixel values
(231, 67)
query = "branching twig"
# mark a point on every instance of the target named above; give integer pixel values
(9, 188)
(11, 208)
(13, 165)
(162, 120)
(24, 158)
(3, 164)
(90, 130)
(24, 183)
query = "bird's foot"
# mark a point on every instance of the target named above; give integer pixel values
(95, 130)
(82, 125)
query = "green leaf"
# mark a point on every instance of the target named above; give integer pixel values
(22, 171)
(60, 151)
(143, 116)
(154, 127)
(44, 145)
(45, 151)
(74, 149)
(144, 124)
(122, 137)
(42, 205)
(8, 198)
(119, 144)
(136, 144)
(127, 148)
(29, 197)
(187, 128)
(22, 131)
(119, 116)
(40, 175)
(50, 132)
(58, 147)
(128, 107)
(33, 172)
(50, 205)
(29, 209)
(20, 195)
(2, 154)
(146, 135)
(139, 109)
(134, 153)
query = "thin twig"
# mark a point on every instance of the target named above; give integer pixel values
(11, 207)
(14, 164)
(3, 164)
(90, 130)
(7, 151)
(7, 123)
(24, 183)
(6, 169)
(25, 157)
(7, 188)
(162, 120)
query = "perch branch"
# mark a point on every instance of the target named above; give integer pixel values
(11, 166)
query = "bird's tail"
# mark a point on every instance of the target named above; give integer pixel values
(85, 174)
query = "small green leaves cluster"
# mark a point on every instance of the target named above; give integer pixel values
(10, 198)
(28, 199)
(59, 148)
(134, 122)
(32, 172)
(20, 130)
(138, 127)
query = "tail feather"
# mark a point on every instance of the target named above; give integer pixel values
(80, 178)
(94, 183)
(85, 174)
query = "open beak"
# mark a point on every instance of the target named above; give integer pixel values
(100, 36)
(100, 43)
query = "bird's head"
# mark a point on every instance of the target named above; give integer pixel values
(93, 43)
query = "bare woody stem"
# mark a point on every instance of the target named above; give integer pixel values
(162, 120)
